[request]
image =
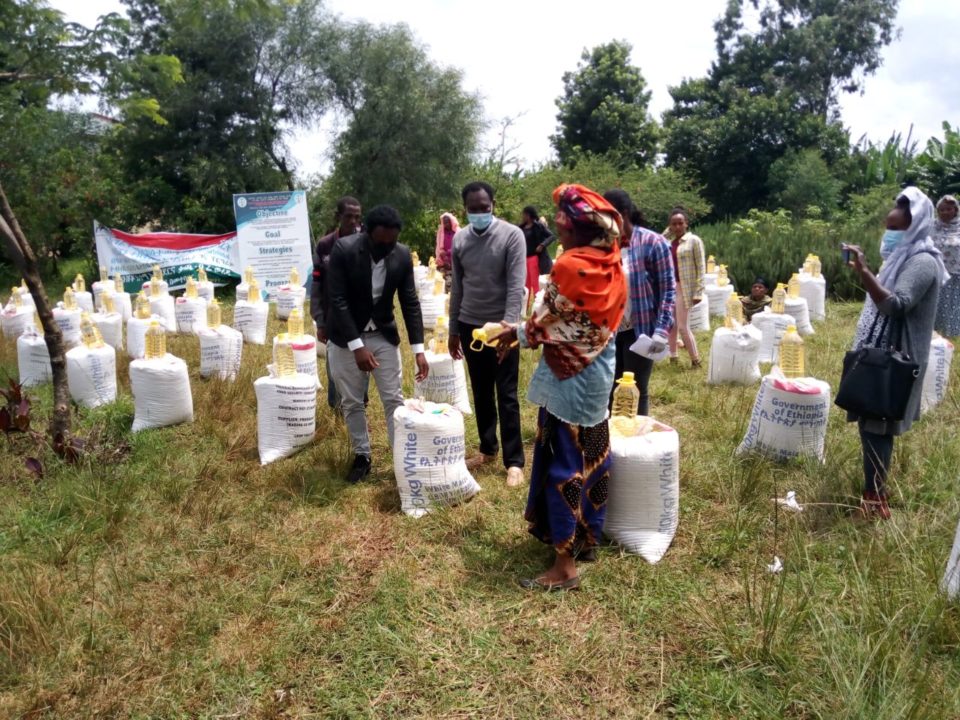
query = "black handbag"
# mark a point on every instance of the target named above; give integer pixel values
(878, 378)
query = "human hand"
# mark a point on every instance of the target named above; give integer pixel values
(658, 343)
(539, 249)
(365, 359)
(423, 369)
(506, 341)
(857, 259)
(453, 346)
(322, 334)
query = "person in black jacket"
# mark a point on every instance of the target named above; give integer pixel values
(366, 271)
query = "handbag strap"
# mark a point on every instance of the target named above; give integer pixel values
(877, 340)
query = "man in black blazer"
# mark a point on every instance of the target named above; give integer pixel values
(366, 271)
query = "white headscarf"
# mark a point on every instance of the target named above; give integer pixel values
(916, 240)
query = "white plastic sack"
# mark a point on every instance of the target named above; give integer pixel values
(773, 326)
(700, 315)
(220, 351)
(286, 415)
(710, 279)
(163, 307)
(419, 274)
(428, 457)
(33, 359)
(191, 314)
(304, 356)
(84, 300)
(814, 291)
(110, 326)
(137, 334)
(432, 307)
(543, 282)
(937, 375)
(164, 288)
(425, 286)
(14, 321)
(242, 289)
(251, 320)
(735, 356)
(123, 305)
(717, 297)
(951, 578)
(785, 422)
(161, 392)
(643, 505)
(92, 375)
(205, 290)
(446, 382)
(69, 323)
(26, 300)
(289, 298)
(797, 309)
(98, 289)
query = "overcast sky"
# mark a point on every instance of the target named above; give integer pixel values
(514, 54)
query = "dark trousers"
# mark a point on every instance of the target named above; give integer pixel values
(486, 377)
(877, 455)
(640, 366)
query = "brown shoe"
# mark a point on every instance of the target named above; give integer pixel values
(479, 459)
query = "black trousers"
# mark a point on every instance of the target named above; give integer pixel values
(877, 455)
(494, 394)
(640, 366)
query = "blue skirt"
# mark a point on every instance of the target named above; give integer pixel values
(568, 484)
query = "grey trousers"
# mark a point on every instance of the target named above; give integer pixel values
(352, 385)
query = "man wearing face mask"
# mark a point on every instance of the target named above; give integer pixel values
(366, 271)
(489, 272)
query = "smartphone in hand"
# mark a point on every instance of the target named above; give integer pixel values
(846, 254)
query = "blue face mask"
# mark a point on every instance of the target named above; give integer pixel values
(889, 242)
(480, 221)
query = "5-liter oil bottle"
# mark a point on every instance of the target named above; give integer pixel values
(626, 403)
(295, 324)
(79, 284)
(89, 332)
(213, 314)
(791, 353)
(734, 312)
(156, 341)
(779, 299)
(143, 306)
(285, 363)
(440, 335)
(793, 287)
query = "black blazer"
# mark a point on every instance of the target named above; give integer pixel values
(351, 296)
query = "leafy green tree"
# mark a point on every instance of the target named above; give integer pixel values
(937, 168)
(411, 129)
(772, 90)
(603, 110)
(801, 182)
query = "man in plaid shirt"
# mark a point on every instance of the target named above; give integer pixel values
(651, 287)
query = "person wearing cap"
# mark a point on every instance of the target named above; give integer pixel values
(758, 298)
(575, 324)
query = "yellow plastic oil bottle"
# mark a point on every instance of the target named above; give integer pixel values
(440, 335)
(438, 286)
(431, 268)
(248, 274)
(793, 287)
(415, 256)
(191, 291)
(626, 402)
(69, 299)
(213, 314)
(779, 299)
(154, 286)
(202, 275)
(118, 283)
(89, 332)
(815, 265)
(294, 277)
(253, 291)
(143, 306)
(791, 353)
(106, 303)
(157, 273)
(722, 279)
(156, 341)
(104, 276)
(711, 265)
(285, 363)
(16, 297)
(486, 335)
(79, 284)
(807, 264)
(734, 312)
(295, 324)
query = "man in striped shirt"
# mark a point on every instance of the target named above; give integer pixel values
(651, 286)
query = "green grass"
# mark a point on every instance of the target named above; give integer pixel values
(168, 575)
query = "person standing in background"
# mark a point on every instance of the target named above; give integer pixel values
(489, 269)
(347, 219)
(537, 237)
(649, 277)
(689, 267)
(444, 246)
(946, 238)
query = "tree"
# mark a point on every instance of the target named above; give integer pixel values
(801, 182)
(411, 129)
(253, 71)
(603, 110)
(937, 168)
(773, 90)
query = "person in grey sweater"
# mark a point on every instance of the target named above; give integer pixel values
(904, 294)
(489, 271)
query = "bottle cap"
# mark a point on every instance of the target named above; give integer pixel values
(627, 378)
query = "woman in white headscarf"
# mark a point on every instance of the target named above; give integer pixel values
(904, 295)
(946, 236)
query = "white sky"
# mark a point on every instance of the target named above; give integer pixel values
(514, 53)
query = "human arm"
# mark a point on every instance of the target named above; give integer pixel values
(516, 274)
(546, 238)
(700, 267)
(911, 286)
(659, 266)
(410, 305)
(456, 294)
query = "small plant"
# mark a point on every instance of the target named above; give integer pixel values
(15, 414)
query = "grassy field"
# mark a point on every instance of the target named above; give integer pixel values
(169, 575)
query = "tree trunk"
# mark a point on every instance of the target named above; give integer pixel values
(26, 262)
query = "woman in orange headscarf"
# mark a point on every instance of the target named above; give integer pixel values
(574, 324)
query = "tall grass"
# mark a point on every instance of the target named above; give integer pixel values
(170, 575)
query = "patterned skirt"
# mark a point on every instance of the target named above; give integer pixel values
(568, 484)
(948, 308)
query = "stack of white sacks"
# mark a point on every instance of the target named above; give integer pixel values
(772, 323)
(302, 346)
(83, 298)
(718, 290)
(433, 303)
(138, 325)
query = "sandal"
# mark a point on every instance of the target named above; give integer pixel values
(540, 584)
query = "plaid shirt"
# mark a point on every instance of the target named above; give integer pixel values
(690, 268)
(649, 265)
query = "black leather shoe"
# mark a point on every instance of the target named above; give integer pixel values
(359, 470)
